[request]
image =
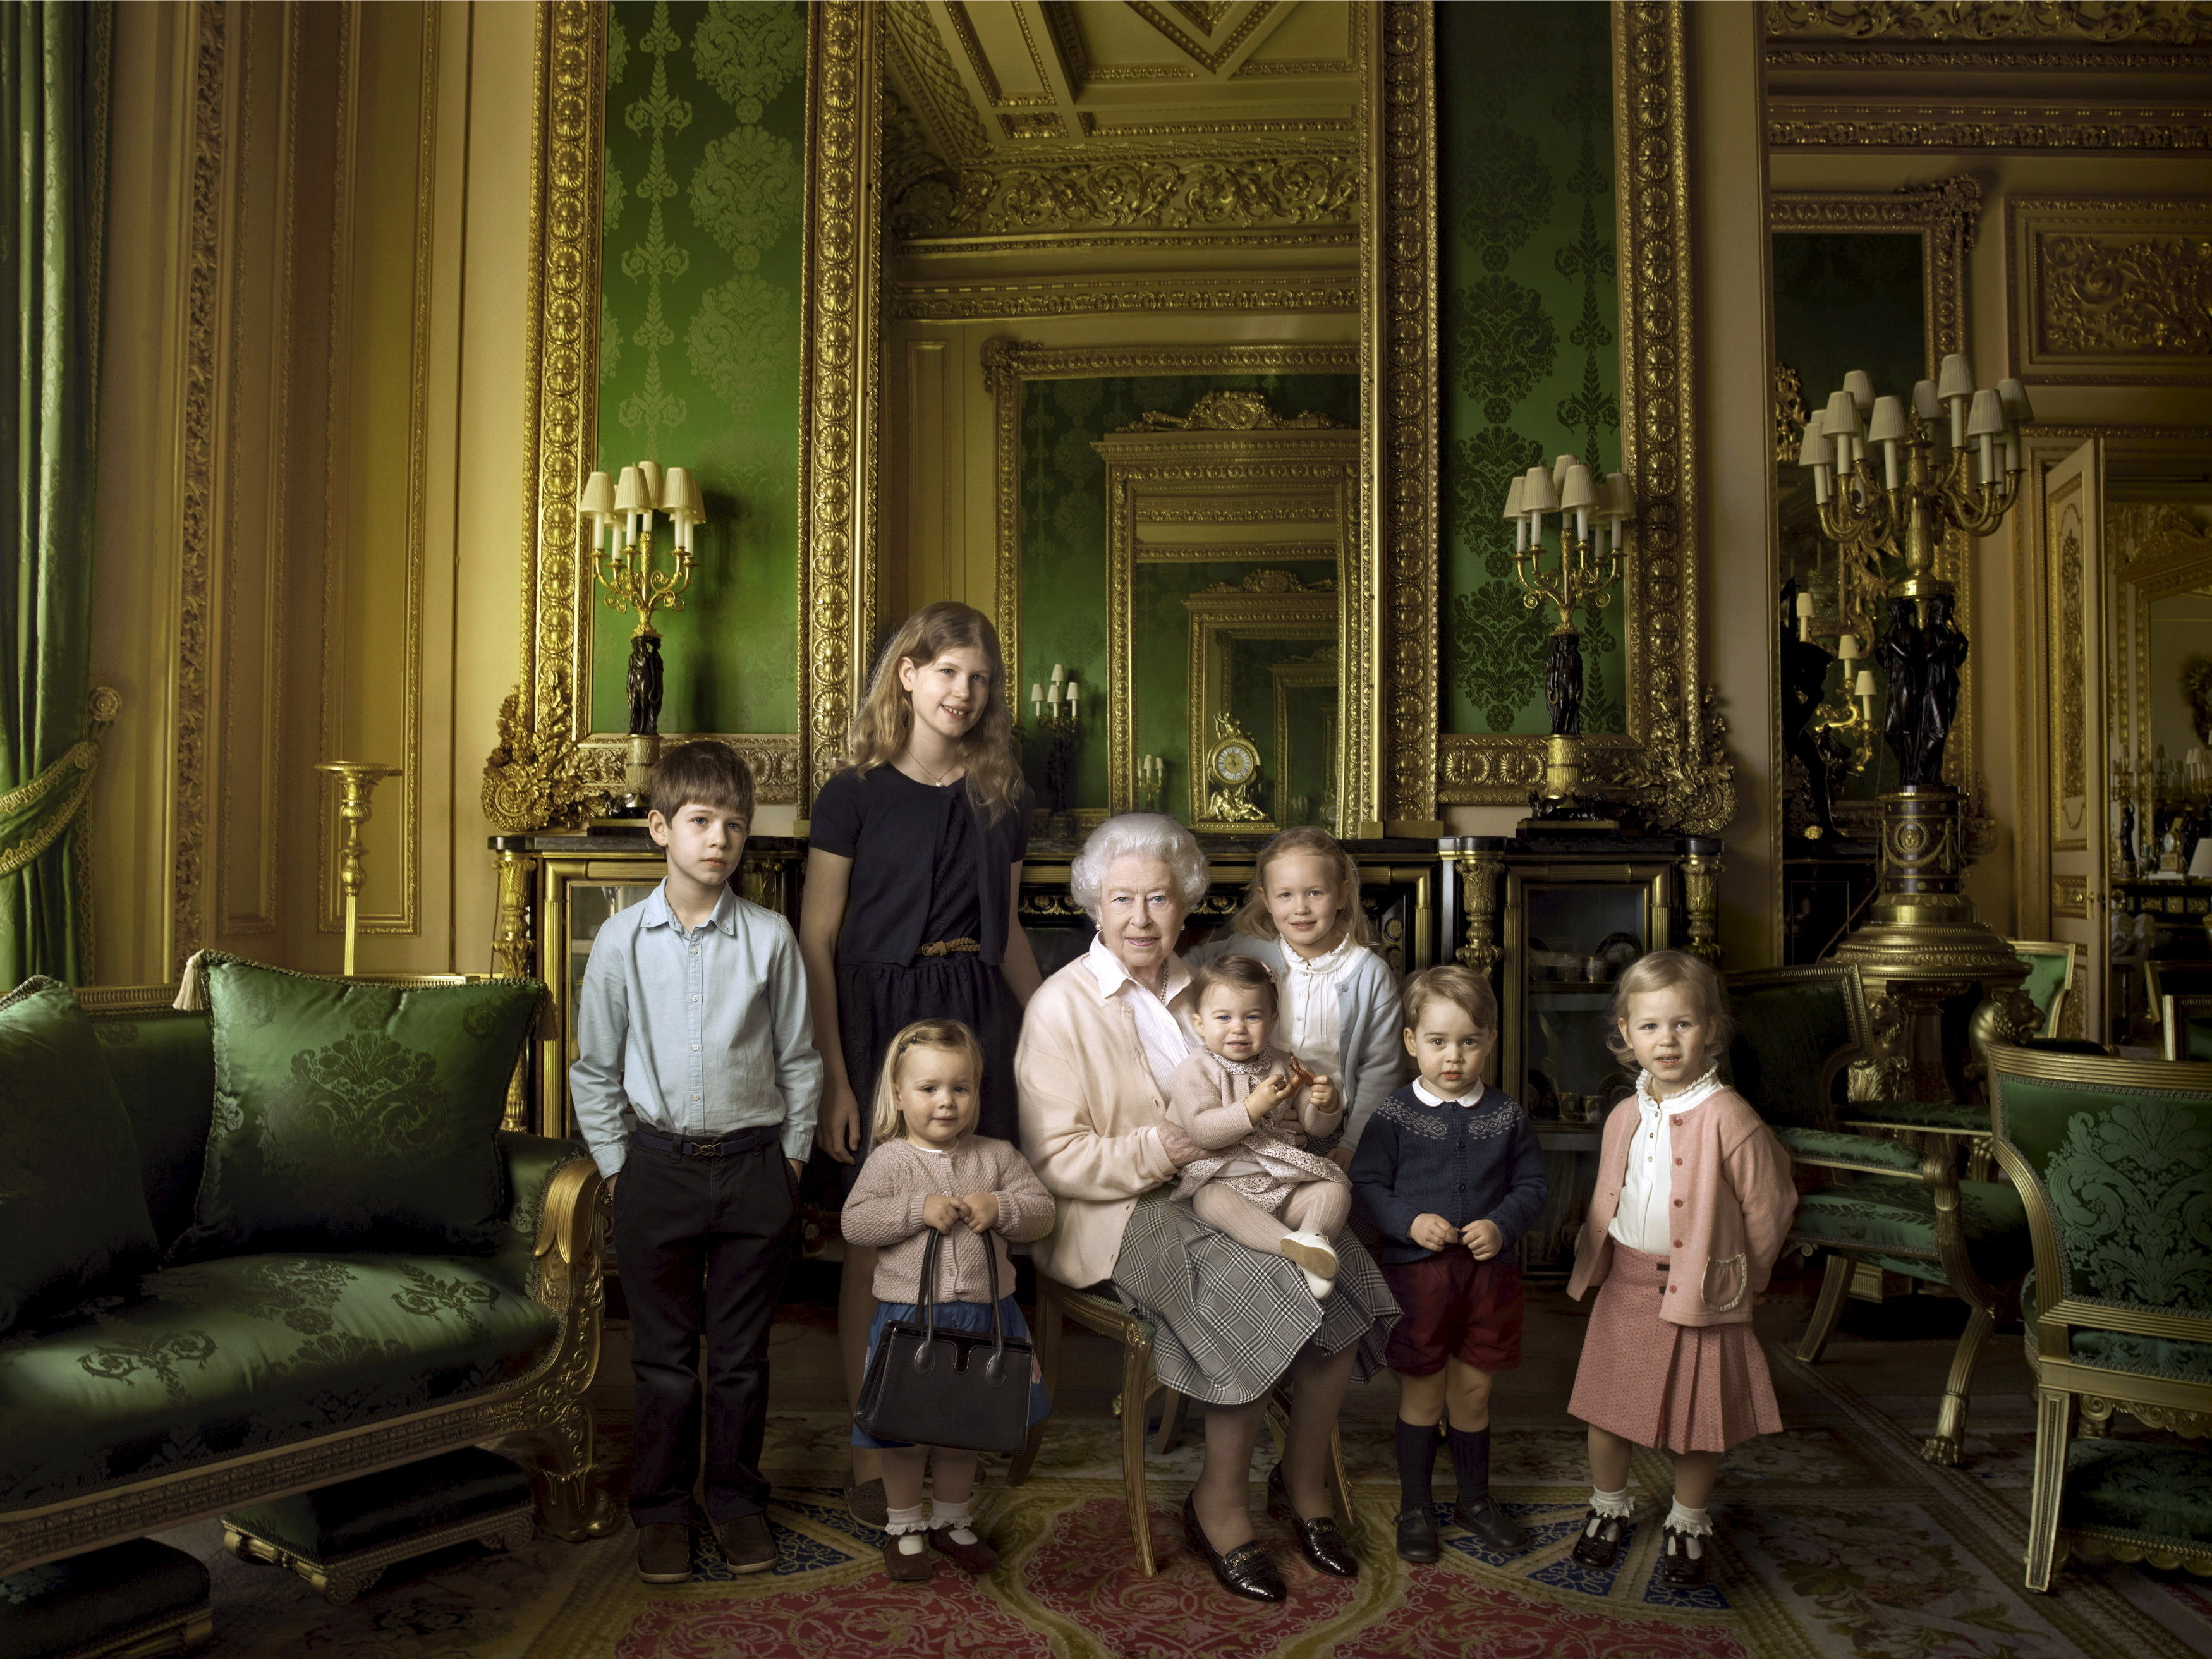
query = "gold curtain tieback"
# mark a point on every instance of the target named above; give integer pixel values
(946, 947)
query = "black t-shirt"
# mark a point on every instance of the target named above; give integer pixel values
(925, 864)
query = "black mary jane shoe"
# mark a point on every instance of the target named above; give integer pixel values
(1324, 1546)
(1246, 1570)
(1417, 1535)
(1599, 1544)
(1499, 1532)
(1678, 1569)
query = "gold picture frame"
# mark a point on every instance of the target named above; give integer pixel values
(1217, 620)
(1672, 758)
(550, 765)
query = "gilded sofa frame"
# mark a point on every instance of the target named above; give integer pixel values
(2063, 1383)
(542, 1418)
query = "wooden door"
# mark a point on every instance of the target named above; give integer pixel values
(2081, 828)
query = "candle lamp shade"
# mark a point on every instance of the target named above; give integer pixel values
(1858, 384)
(676, 492)
(597, 499)
(649, 475)
(1986, 418)
(1560, 467)
(2014, 396)
(1954, 379)
(1815, 449)
(1539, 496)
(1925, 403)
(1513, 493)
(1620, 503)
(1887, 426)
(1580, 491)
(629, 491)
(1841, 418)
(2200, 861)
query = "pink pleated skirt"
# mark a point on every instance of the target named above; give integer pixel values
(1678, 1388)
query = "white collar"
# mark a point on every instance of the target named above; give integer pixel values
(1112, 974)
(1430, 1098)
(1692, 1095)
(1322, 965)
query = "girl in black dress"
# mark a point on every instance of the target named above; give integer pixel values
(913, 869)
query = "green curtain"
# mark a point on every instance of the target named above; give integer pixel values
(53, 84)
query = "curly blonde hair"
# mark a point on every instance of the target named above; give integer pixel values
(1256, 920)
(1663, 971)
(949, 1035)
(885, 720)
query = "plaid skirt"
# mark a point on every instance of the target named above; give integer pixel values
(1229, 1320)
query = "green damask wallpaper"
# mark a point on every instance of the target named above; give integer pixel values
(1063, 508)
(699, 341)
(1530, 347)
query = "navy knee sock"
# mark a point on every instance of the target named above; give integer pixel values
(1470, 1456)
(1417, 1460)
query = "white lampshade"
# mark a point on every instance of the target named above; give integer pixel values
(1986, 418)
(1538, 494)
(1887, 426)
(629, 492)
(1560, 465)
(1514, 492)
(1859, 385)
(1925, 403)
(1841, 418)
(1847, 647)
(1815, 449)
(1618, 503)
(2014, 396)
(695, 499)
(1579, 492)
(1955, 378)
(675, 498)
(597, 499)
(1863, 686)
(648, 473)
(2200, 862)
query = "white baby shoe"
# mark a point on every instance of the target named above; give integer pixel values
(1316, 1259)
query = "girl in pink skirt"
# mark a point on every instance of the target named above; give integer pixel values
(1693, 1201)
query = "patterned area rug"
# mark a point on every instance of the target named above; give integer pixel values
(1837, 1540)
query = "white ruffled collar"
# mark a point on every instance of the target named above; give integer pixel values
(1692, 1095)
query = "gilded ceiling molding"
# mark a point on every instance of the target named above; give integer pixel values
(1793, 123)
(961, 302)
(1133, 194)
(2179, 22)
(1673, 759)
(927, 75)
(2112, 292)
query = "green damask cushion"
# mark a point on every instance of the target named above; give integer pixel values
(2139, 1486)
(1785, 1035)
(67, 1605)
(2130, 1191)
(1947, 1115)
(2046, 976)
(163, 1064)
(2122, 1351)
(214, 1360)
(72, 1214)
(387, 1506)
(1839, 1147)
(1873, 1213)
(353, 1115)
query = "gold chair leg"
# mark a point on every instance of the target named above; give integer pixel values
(1943, 1446)
(1047, 1337)
(2053, 1407)
(1136, 1378)
(1828, 1311)
(1170, 1422)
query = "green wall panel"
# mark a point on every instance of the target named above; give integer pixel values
(1063, 508)
(1530, 337)
(699, 340)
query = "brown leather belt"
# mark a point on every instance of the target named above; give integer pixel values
(946, 947)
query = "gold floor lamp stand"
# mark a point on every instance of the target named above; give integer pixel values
(357, 781)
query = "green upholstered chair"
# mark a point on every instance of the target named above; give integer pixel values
(2176, 977)
(2185, 1027)
(2050, 982)
(2113, 1159)
(1879, 1202)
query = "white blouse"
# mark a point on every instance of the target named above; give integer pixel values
(1647, 1188)
(1165, 1037)
(1313, 1021)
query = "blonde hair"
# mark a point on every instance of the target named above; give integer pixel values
(1254, 918)
(885, 720)
(949, 1035)
(1663, 971)
(1465, 989)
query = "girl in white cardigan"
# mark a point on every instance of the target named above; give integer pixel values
(1339, 998)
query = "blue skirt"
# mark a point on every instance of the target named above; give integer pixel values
(956, 1316)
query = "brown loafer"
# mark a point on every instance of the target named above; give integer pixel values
(747, 1544)
(978, 1557)
(663, 1552)
(906, 1569)
(866, 1504)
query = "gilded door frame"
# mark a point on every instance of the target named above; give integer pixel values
(1944, 215)
(1674, 756)
(550, 765)
(1007, 364)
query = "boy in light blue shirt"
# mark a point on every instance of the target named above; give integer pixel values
(693, 1022)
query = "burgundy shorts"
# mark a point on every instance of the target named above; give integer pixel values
(1453, 1307)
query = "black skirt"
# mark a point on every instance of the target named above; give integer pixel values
(876, 1001)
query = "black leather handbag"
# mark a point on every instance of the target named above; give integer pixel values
(956, 1388)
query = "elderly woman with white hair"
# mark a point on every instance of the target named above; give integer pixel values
(1100, 1041)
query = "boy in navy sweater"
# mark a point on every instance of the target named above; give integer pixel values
(1449, 1172)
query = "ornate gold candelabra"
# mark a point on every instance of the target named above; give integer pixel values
(357, 781)
(620, 513)
(1890, 480)
(1582, 574)
(1058, 732)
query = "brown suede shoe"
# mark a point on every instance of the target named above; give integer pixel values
(906, 1569)
(747, 1544)
(978, 1557)
(663, 1552)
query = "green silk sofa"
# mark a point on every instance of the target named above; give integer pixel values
(203, 1387)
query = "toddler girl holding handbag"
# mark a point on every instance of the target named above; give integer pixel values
(933, 1190)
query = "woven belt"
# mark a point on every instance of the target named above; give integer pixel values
(946, 947)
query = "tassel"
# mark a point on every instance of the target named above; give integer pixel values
(191, 987)
(548, 1028)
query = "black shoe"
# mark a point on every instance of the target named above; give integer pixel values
(1678, 1569)
(1599, 1544)
(1497, 1530)
(1320, 1542)
(1246, 1570)
(1417, 1535)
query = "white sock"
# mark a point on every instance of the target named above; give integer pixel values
(908, 1526)
(1699, 1524)
(955, 1516)
(1612, 1505)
